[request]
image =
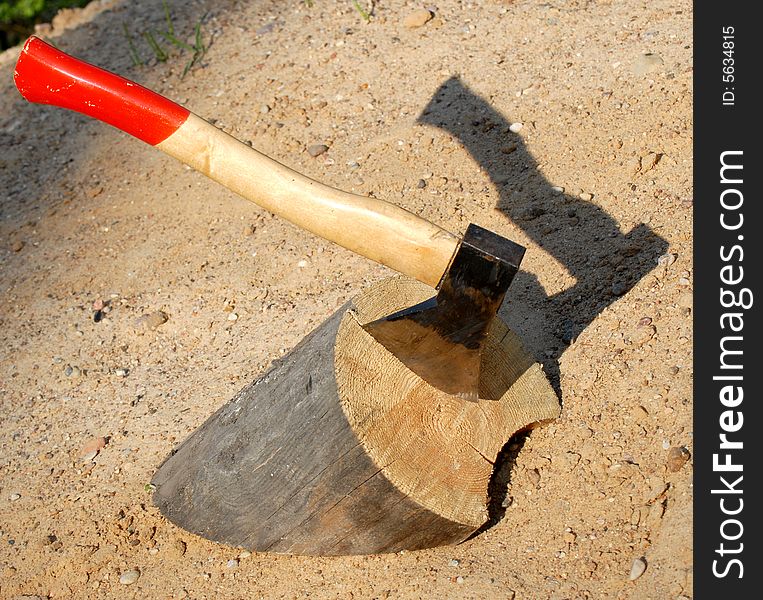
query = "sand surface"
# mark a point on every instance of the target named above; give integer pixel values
(596, 184)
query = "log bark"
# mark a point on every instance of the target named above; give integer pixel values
(340, 449)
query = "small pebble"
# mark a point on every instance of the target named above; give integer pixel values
(121, 372)
(684, 281)
(637, 569)
(534, 476)
(643, 321)
(643, 334)
(516, 127)
(317, 149)
(618, 288)
(302, 264)
(647, 63)
(153, 551)
(14, 497)
(677, 458)
(557, 189)
(459, 579)
(453, 562)
(98, 304)
(17, 246)
(233, 317)
(245, 554)
(531, 213)
(585, 196)
(417, 18)
(151, 320)
(264, 109)
(94, 445)
(667, 259)
(89, 456)
(421, 184)
(129, 577)
(232, 563)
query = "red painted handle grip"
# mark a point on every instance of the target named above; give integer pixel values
(48, 76)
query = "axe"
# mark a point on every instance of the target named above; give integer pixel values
(440, 339)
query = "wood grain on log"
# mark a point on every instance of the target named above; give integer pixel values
(340, 449)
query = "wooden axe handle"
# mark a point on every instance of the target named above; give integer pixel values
(374, 228)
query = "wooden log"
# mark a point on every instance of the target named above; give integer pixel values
(341, 449)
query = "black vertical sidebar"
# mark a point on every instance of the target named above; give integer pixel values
(728, 427)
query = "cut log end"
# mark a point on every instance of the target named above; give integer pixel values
(340, 449)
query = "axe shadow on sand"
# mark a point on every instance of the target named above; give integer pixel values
(587, 241)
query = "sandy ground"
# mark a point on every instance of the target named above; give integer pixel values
(91, 217)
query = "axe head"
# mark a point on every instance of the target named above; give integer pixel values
(441, 339)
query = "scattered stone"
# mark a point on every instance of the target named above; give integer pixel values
(232, 563)
(647, 63)
(244, 554)
(121, 372)
(509, 149)
(637, 569)
(421, 184)
(17, 246)
(95, 445)
(569, 537)
(129, 577)
(89, 456)
(151, 321)
(98, 304)
(153, 551)
(264, 109)
(14, 497)
(533, 476)
(557, 189)
(317, 149)
(302, 263)
(585, 196)
(71, 371)
(568, 331)
(417, 18)
(667, 259)
(684, 281)
(233, 317)
(459, 579)
(453, 562)
(642, 334)
(619, 288)
(651, 161)
(677, 458)
(531, 213)
(516, 127)
(657, 487)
